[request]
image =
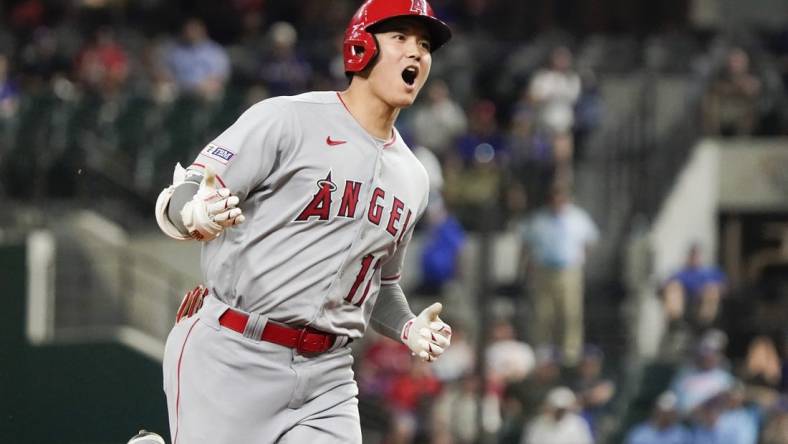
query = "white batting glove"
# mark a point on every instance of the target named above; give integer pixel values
(211, 210)
(427, 335)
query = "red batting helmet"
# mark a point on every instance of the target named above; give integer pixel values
(359, 47)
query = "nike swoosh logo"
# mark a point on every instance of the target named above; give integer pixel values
(330, 142)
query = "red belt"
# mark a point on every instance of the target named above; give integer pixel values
(307, 340)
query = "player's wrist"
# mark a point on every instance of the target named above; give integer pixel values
(407, 330)
(162, 217)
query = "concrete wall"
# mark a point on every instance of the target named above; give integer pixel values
(754, 175)
(689, 213)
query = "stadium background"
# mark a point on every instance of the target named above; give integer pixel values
(663, 148)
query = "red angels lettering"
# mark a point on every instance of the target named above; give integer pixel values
(394, 215)
(404, 227)
(375, 210)
(349, 200)
(320, 205)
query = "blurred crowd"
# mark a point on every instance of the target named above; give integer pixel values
(126, 89)
(148, 83)
(698, 390)
(713, 399)
(526, 395)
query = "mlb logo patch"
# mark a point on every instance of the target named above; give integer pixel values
(218, 153)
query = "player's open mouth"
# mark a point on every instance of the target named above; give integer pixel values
(409, 75)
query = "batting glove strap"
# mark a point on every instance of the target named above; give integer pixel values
(166, 226)
(163, 202)
(426, 335)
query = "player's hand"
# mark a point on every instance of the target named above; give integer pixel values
(427, 335)
(211, 210)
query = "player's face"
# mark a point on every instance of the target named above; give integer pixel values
(403, 63)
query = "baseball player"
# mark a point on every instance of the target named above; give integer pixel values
(305, 207)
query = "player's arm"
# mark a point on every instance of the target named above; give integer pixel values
(202, 200)
(426, 335)
(391, 312)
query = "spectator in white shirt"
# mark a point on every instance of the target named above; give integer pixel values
(559, 424)
(553, 93)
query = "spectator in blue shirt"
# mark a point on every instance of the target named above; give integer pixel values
(726, 420)
(442, 247)
(738, 425)
(554, 245)
(693, 293)
(706, 378)
(197, 64)
(663, 427)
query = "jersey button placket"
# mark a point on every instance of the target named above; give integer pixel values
(358, 247)
(364, 223)
(349, 264)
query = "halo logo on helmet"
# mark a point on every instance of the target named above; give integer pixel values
(360, 48)
(418, 6)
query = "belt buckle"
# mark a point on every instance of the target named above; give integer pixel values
(305, 348)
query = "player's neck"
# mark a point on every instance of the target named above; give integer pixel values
(371, 112)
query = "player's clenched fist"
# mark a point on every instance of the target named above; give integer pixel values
(427, 335)
(211, 210)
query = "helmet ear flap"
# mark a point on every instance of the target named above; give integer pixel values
(359, 51)
(373, 12)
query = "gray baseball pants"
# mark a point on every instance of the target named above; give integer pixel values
(225, 387)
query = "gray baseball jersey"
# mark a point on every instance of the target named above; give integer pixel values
(329, 211)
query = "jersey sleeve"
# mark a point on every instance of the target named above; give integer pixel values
(246, 153)
(392, 268)
(391, 272)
